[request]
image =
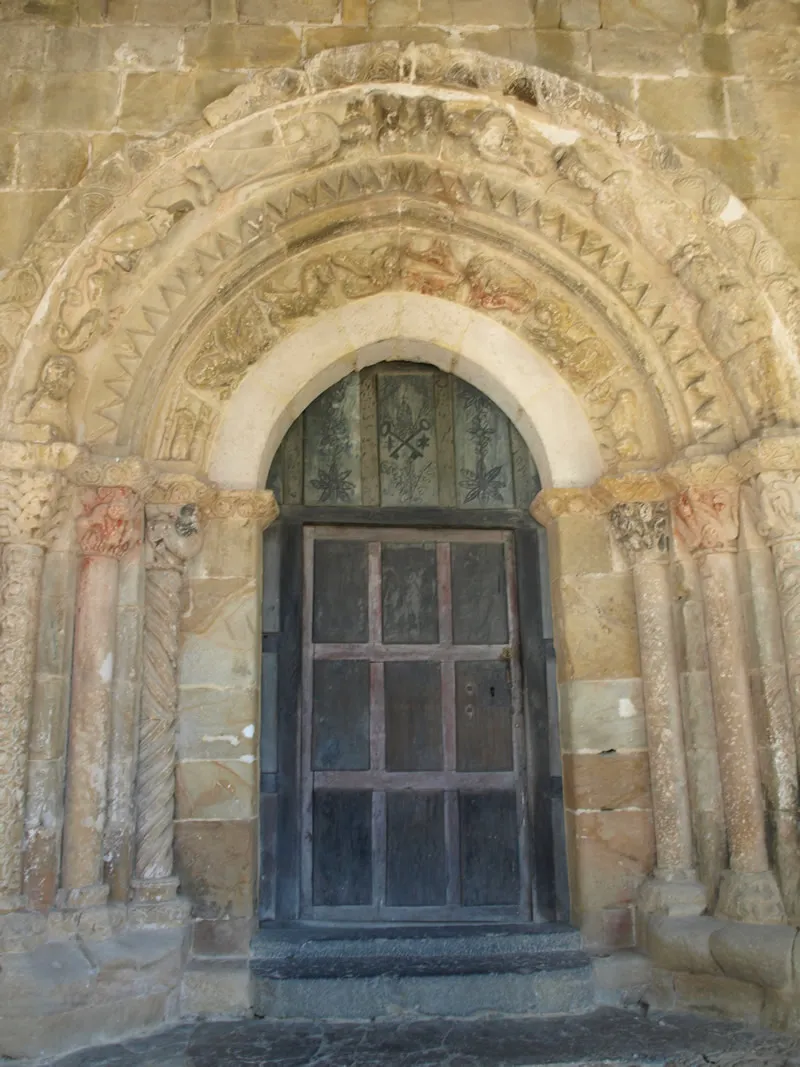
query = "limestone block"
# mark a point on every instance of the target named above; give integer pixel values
(288, 10)
(114, 47)
(319, 38)
(355, 12)
(680, 15)
(636, 52)
(473, 12)
(709, 53)
(610, 852)
(559, 50)
(160, 12)
(221, 631)
(580, 14)
(683, 944)
(579, 545)
(52, 160)
(217, 863)
(698, 106)
(222, 937)
(79, 101)
(752, 952)
(50, 978)
(602, 715)
(763, 108)
(24, 1035)
(21, 931)
(138, 962)
(606, 781)
(596, 627)
(231, 548)
(607, 929)
(221, 987)
(8, 160)
(622, 979)
(722, 996)
(217, 723)
(45, 12)
(22, 48)
(157, 102)
(21, 215)
(238, 47)
(756, 14)
(781, 217)
(216, 789)
(384, 13)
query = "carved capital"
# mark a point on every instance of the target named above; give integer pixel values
(110, 522)
(31, 506)
(779, 505)
(636, 487)
(703, 472)
(642, 528)
(707, 519)
(173, 535)
(551, 504)
(130, 472)
(763, 454)
(252, 505)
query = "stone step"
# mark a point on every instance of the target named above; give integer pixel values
(321, 972)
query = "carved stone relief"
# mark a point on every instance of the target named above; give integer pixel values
(43, 413)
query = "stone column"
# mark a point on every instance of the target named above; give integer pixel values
(107, 528)
(172, 538)
(707, 518)
(642, 528)
(29, 503)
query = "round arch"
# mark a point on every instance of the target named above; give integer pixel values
(471, 346)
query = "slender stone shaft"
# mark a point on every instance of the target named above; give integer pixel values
(106, 530)
(708, 521)
(172, 538)
(28, 505)
(643, 530)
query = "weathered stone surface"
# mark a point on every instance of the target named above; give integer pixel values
(700, 106)
(596, 627)
(610, 853)
(239, 47)
(633, 51)
(157, 102)
(606, 781)
(114, 47)
(217, 864)
(600, 715)
(680, 15)
(221, 987)
(51, 160)
(216, 789)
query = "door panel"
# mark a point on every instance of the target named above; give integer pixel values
(415, 804)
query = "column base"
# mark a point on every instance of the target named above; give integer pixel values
(154, 890)
(750, 898)
(85, 896)
(676, 894)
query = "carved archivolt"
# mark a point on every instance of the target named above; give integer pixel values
(675, 288)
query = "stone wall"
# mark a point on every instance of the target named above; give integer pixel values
(82, 76)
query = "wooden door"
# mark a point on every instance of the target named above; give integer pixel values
(414, 798)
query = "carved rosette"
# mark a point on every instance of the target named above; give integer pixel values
(642, 529)
(707, 519)
(109, 522)
(172, 537)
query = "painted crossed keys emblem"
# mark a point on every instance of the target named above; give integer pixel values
(406, 432)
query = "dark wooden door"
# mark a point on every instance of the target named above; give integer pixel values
(414, 796)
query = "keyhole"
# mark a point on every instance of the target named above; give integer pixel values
(491, 690)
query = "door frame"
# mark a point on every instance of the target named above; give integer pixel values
(280, 897)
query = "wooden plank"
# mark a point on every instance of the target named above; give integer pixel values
(374, 586)
(340, 608)
(445, 444)
(489, 849)
(367, 913)
(377, 719)
(452, 848)
(379, 848)
(424, 518)
(484, 730)
(304, 726)
(370, 475)
(416, 869)
(466, 781)
(406, 535)
(332, 453)
(342, 847)
(340, 725)
(480, 605)
(293, 464)
(287, 887)
(384, 653)
(407, 439)
(409, 593)
(519, 732)
(483, 452)
(413, 702)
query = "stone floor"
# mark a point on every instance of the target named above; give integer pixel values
(606, 1036)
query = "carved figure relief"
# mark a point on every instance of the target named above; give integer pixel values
(707, 520)
(234, 345)
(84, 309)
(42, 413)
(188, 430)
(20, 290)
(107, 524)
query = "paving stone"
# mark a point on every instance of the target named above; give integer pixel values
(607, 1036)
